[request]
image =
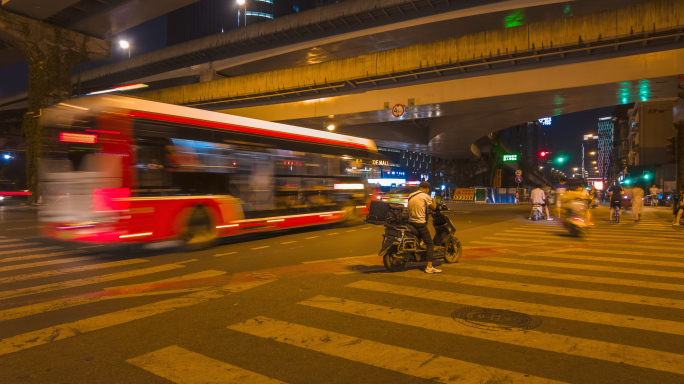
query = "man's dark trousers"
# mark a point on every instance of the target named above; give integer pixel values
(427, 239)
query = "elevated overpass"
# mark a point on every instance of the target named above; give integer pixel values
(460, 89)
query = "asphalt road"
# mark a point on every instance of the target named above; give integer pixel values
(526, 303)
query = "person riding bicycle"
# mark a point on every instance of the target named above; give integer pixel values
(616, 192)
(418, 203)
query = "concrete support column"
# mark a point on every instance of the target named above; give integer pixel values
(51, 52)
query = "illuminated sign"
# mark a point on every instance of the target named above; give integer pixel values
(381, 162)
(510, 157)
(67, 137)
(546, 120)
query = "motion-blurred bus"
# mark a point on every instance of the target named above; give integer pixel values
(119, 169)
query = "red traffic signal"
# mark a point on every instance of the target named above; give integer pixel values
(543, 154)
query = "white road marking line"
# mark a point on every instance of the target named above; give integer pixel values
(492, 244)
(562, 255)
(40, 256)
(90, 280)
(334, 233)
(351, 230)
(610, 319)
(289, 242)
(49, 262)
(10, 240)
(551, 290)
(91, 246)
(587, 267)
(47, 306)
(406, 361)
(65, 331)
(179, 365)
(191, 276)
(64, 271)
(28, 250)
(312, 237)
(265, 246)
(571, 277)
(536, 240)
(16, 229)
(18, 245)
(225, 254)
(624, 252)
(618, 353)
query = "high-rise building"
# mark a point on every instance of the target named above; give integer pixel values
(208, 17)
(590, 154)
(606, 128)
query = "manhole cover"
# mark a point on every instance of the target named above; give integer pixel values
(495, 319)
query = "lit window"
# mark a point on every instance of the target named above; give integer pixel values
(260, 14)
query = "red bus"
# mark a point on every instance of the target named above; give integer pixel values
(119, 169)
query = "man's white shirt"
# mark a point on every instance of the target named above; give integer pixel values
(538, 196)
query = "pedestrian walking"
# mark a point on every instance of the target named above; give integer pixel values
(637, 202)
(678, 207)
(560, 190)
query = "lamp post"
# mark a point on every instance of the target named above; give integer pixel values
(125, 45)
(243, 2)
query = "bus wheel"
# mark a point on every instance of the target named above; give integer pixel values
(200, 231)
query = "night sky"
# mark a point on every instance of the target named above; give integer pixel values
(568, 133)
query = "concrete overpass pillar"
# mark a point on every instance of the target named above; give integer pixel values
(51, 52)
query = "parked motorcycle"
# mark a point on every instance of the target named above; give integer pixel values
(401, 242)
(538, 213)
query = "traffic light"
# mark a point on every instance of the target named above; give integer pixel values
(543, 154)
(561, 159)
(670, 144)
(646, 176)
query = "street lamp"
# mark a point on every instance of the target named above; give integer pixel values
(242, 2)
(125, 45)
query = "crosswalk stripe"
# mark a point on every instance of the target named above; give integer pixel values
(38, 256)
(18, 245)
(191, 276)
(53, 305)
(535, 239)
(560, 253)
(569, 345)
(649, 245)
(588, 267)
(28, 250)
(571, 277)
(551, 290)
(9, 240)
(90, 280)
(65, 331)
(626, 235)
(64, 271)
(493, 244)
(179, 365)
(610, 319)
(406, 361)
(624, 252)
(49, 262)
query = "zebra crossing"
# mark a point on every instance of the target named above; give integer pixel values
(625, 299)
(610, 303)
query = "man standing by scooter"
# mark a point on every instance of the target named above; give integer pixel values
(418, 203)
(539, 198)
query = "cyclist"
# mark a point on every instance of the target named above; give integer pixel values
(615, 199)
